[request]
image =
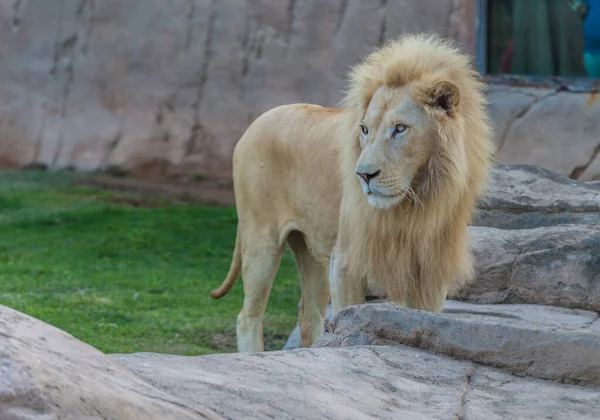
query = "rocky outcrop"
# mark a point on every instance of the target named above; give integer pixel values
(525, 197)
(536, 239)
(544, 342)
(550, 128)
(46, 373)
(557, 265)
(360, 382)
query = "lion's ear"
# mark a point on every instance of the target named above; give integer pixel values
(442, 95)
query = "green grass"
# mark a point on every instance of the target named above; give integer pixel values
(126, 279)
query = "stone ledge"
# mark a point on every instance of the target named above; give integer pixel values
(46, 373)
(359, 382)
(543, 342)
(526, 197)
(556, 265)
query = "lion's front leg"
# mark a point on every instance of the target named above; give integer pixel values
(430, 289)
(346, 289)
(432, 302)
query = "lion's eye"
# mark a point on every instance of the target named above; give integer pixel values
(364, 129)
(400, 128)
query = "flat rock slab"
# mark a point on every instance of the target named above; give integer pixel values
(362, 382)
(494, 395)
(554, 317)
(46, 374)
(555, 265)
(548, 316)
(549, 343)
(526, 197)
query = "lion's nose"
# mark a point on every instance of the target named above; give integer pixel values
(368, 176)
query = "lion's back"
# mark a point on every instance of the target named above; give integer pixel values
(288, 160)
(288, 126)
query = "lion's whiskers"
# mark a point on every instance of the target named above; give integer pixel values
(413, 195)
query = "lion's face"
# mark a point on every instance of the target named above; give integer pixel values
(396, 139)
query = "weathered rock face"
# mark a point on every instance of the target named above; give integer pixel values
(536, 239)
(362, 382)
(160, 86)
(552, 129)
(525, 197)
(544, 342)
(557, 265)
(48, 374)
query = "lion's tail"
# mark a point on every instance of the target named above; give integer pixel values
(234, 271)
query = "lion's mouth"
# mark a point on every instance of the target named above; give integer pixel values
(379, 194)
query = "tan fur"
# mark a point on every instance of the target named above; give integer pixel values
(405, 234)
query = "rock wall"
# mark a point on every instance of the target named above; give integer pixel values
(157, 86)
(160, 87)
(549, 128)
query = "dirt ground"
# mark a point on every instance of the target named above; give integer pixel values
(140, 193)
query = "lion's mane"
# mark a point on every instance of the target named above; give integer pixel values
(421, 246)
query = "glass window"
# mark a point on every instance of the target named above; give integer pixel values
(543, 37)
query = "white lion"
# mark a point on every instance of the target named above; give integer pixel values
(378, 193)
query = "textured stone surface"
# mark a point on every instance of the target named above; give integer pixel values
(592, 171)
(161, 87)
(524, 196)
(555, 130)
(294, 340)
(538, 314)
(494, 396)
(157, 86)
(47, 374)
(543, 342)
(357, 383)
(557, 265)
(308, 384)
(507, 104)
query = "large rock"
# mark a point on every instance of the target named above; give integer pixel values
(557, 265)
(157, 86)
(507, 104)
(544, 342)
(525, 196)
(360, 383)
(45, 373)
(550, 128)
